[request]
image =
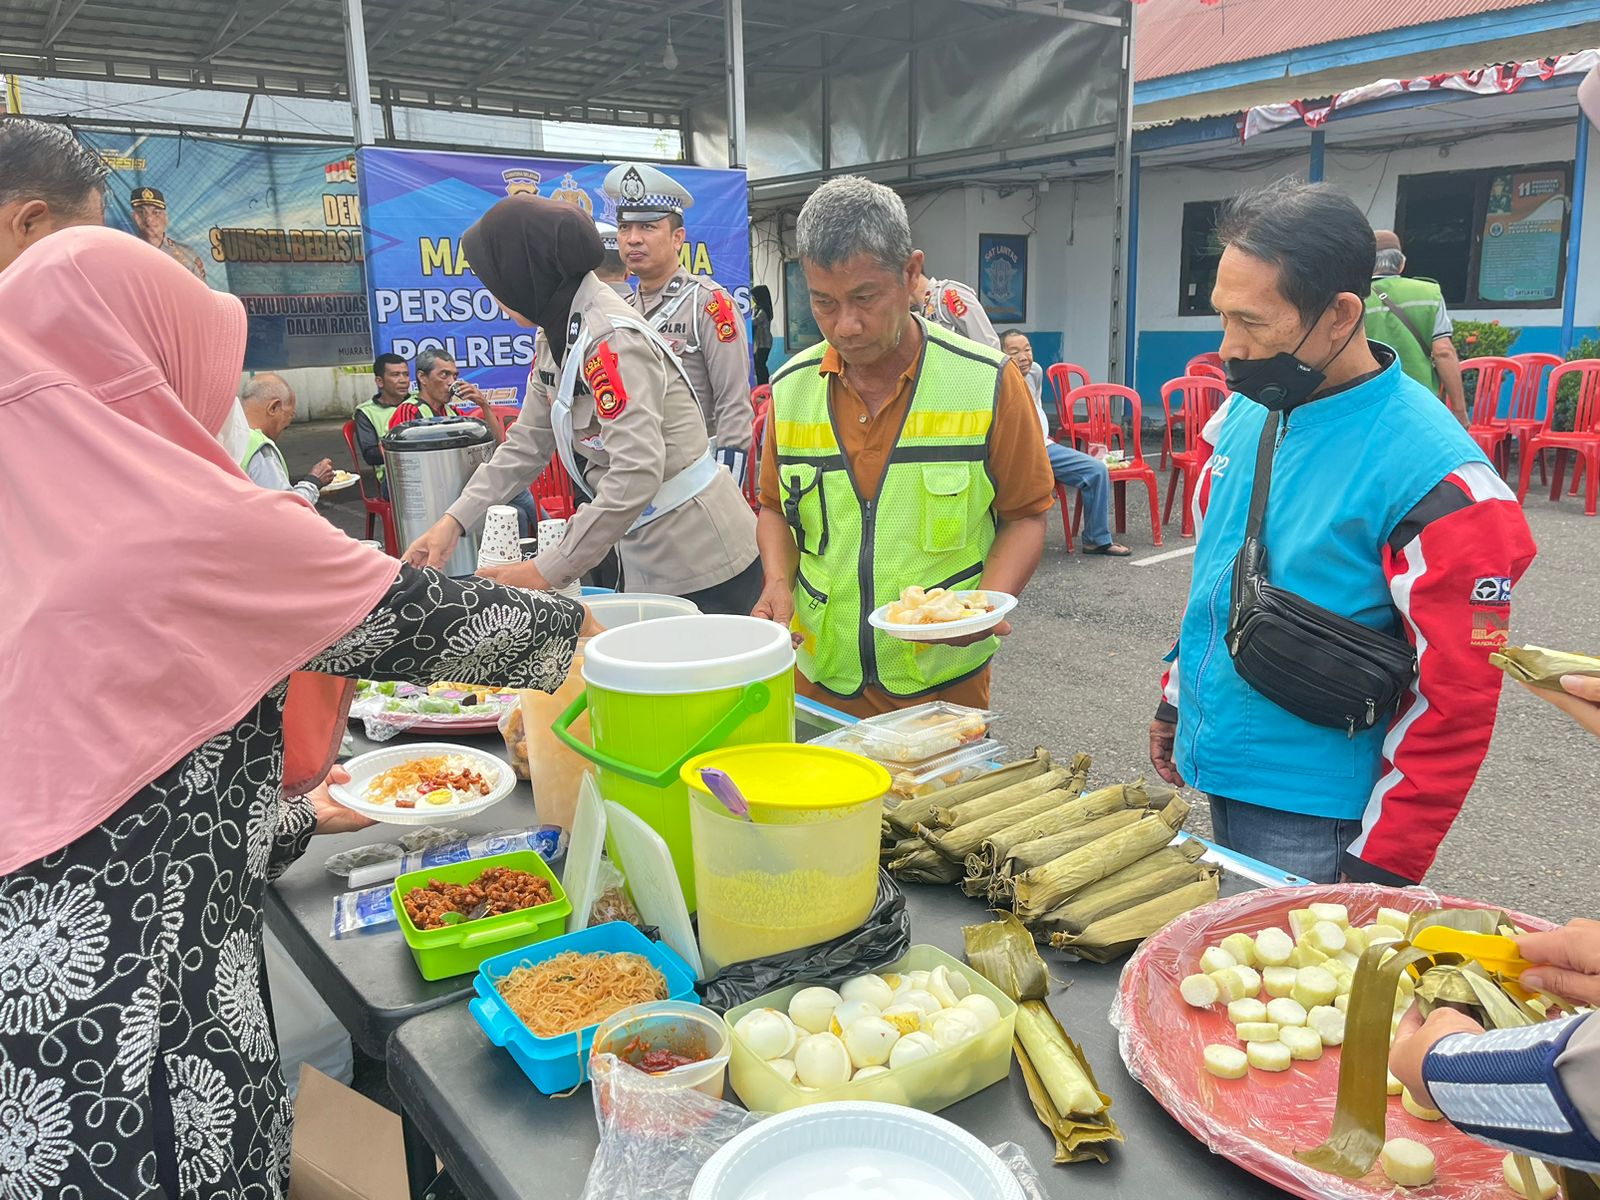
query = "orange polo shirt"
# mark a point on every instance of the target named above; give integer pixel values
(1018, 465)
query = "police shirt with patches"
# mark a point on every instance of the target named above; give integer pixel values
(955, 306)
(635, 423)
(705, 330)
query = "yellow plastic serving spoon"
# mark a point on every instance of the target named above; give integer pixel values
(1491, 951)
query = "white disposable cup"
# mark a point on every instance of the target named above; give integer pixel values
(551, 531)
(500, 534)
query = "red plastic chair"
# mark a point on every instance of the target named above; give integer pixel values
(1524, 420)
(1488, 427)
(758, 432)
(553, 491)
(1103, 429)
(376, 509)
(1064, 378)
(1201, 366)
(1582, 440)
(1202, 396)
(761, 394)
(1209, 363)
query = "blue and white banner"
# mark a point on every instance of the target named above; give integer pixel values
(422, 291)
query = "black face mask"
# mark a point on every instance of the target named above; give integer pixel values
(1283, 381)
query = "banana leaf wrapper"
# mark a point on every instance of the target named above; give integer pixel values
(924, 865)
(904, 817)
(951, 816)
(961, 840)
(1091, 806)
(899, 848)
(1042, 888)
(1543, 668)
(1111, 937)
(1027, 855)
(1061, 1084)
(1155, 874)
(1359, 1118)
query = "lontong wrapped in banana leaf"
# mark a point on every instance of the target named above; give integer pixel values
(1543, 668)
(1003, 882)
(1061, 1083)
(924, 865)
(1111, 937)
(1153, 875)
(899, 848)
(1072, 778)
(961, 840)
(1494, 1001)
(1042, 888)
(904, 817)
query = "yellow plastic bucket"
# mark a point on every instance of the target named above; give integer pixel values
(804, 869)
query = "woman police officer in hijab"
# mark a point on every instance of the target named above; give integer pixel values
(607, 395)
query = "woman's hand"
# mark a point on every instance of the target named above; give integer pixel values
(1580, 700)
(519, 574)
(434, 548)
(333, 817)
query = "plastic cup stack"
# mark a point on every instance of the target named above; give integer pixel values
(499, 546)
(551, 531)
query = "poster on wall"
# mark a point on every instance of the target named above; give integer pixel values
(1003, 275)
(799, 327)
(1520, 257)
(423, 292)
(278, 226)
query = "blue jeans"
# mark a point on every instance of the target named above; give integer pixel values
(1311, 847)
(527, 512)
(1075, 469)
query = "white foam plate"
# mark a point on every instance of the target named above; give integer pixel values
(855, 1151)
(1002, 602)
(366, 767)
(341, 480)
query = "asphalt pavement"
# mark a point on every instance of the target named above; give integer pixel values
(1082, 672)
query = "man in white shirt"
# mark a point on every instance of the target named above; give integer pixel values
(268, 403)
(1071, 467)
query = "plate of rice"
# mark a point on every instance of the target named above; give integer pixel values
(429, 783)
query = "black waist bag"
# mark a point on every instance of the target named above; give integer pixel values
(1322, 667)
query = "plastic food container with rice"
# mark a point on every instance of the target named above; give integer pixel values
(460, 947)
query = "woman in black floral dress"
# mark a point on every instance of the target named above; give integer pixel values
(136, 1057)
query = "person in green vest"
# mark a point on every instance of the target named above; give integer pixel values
(898, 453)
(1409, 316)
(393, 379)
(268, 403)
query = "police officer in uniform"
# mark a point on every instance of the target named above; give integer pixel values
(150, 218)
(694, 313)
(954, 305)
(608, 396)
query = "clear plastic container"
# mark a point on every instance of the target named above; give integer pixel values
(675, 1026)
(930, 1084)
(913, 734)
(916, 780)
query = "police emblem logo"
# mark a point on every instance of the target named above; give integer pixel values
(720, 310)
(605, 382)
(520, 181)
(632, 187)
(954, 302)
(570, 191)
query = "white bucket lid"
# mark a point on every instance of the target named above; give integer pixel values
(628, 608)
(677, 656)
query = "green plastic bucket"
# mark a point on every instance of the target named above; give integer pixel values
(661, 692)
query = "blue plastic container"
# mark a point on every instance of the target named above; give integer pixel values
(599, 591)
(558, 1064)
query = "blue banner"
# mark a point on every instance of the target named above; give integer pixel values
(422, 291)
(278, 226)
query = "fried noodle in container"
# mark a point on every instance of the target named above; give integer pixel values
(1262, 1120)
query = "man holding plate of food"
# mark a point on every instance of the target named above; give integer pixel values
(902, 462)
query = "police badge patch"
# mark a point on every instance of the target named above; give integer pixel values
(605, 382)
(720, 309)
(632, 186)
(954, 302)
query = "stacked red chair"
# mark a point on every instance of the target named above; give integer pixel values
(1489, 428)
(553, 491)
(1101, 428)
(1205, 366)
(1201, 396)
(1524, 420)
(1582, 440)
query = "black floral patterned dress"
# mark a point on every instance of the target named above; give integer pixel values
(136, 1056)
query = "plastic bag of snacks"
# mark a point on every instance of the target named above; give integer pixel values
(515, 733)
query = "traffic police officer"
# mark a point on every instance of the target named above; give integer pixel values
(609, 397)
(954, 305)
(694, 313)
(149, 207)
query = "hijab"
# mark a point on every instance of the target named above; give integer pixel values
(532, 254)
(152, 594)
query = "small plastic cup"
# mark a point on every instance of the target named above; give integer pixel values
(624, 1090)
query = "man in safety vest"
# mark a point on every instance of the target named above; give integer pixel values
(372, 419)
(1409, 316)
(268, 403)
(955, 306)
(897, 454)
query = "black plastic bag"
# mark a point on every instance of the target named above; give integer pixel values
(883, 938)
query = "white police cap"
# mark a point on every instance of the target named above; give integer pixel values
(645, 193)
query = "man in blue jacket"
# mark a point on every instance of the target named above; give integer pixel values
(1382, 510)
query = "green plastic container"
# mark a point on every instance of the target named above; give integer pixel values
(458, 949)
(661, 692)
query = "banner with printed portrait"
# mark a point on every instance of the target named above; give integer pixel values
(279, 226)
(423, 292)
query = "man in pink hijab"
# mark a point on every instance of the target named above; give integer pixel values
(48, 181)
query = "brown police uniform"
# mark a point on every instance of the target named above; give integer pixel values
(955, 306)
(701, 322)
(635, 424)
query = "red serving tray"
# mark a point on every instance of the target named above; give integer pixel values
(1259, 1121)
